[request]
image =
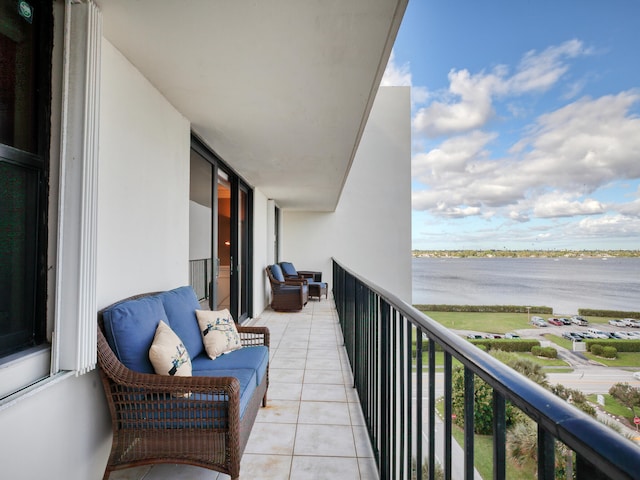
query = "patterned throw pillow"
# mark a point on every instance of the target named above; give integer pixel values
(167, 353)
(219, 333)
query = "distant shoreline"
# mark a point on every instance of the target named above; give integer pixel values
(525, 253)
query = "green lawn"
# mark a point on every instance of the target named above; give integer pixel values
(500, 323)
(562, 342)
(545, 362)
(612, 406)
(625, 359)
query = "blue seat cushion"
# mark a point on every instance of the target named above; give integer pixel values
(293, 288)
(276, 271)
(246, 377)
(181, 304)
(130, 327)
(255, 358)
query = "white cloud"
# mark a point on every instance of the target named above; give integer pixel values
(584, 145)
(468, 106)
(468, 103)
(454, 156)
(631, 209)
(396, 75)
(614, 225)
(540, 71)
(566, 156)
(559, 204)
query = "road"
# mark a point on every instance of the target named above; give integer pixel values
(593, 379)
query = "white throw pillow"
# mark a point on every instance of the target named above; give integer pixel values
(219, 333)
(167, 353)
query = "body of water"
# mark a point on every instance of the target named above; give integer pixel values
(565, 284)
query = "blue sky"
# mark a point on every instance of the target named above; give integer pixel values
(525, 122)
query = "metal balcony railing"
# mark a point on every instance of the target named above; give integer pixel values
(379, 331)
(200, 275)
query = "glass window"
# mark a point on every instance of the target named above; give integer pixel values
(25, 78)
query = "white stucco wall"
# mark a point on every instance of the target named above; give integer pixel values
(143, 222)
(370, 231)
(143, 245)
(262, 250)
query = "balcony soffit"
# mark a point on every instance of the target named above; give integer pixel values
(280, 90)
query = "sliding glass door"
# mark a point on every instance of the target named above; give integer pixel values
(220, 234)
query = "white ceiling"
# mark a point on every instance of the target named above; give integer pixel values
(279, 89)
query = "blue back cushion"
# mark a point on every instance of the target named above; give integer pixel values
(276, 271)
(181, 305)
(288, 268)
(130, 327)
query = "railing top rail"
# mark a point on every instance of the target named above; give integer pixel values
(583, 434)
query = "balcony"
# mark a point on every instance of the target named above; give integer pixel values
(318, 426)
(312, 427)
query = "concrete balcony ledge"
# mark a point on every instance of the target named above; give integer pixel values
(312, 427)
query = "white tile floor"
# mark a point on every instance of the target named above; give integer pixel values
(312, 427)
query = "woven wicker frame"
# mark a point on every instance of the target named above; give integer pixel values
(287, 300)
(144, 407)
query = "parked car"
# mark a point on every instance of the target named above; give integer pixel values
(538, 322)
(636, 375)
(493, 335)
(634, 335)
(565, 321)
(632, 322)
(624, 335)
(555, 321)
(618, 323)
(511, 335)
(573, 336)
(597, 333)
(474, 336)
(578, 320)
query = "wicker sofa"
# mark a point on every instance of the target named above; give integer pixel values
(203, 419)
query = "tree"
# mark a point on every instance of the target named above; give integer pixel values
(483, 404)
(627, 395)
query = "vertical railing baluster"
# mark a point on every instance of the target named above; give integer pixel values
(394, 394)
(432, 410)
(469, 403)
(546, 455)
(402, 393)
(419, 419)
(408, 348)
(385, 380)
(499, 436)
(448, 414)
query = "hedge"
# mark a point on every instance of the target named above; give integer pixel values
(602, 351)
(587, 312)
(484, 308)
(506, 344)
(548, 352)
(619, 345)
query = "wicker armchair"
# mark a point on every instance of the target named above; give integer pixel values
(170, 419)
(287, 295)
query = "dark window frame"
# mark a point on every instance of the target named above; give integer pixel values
(38, 161)
(237, 183)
